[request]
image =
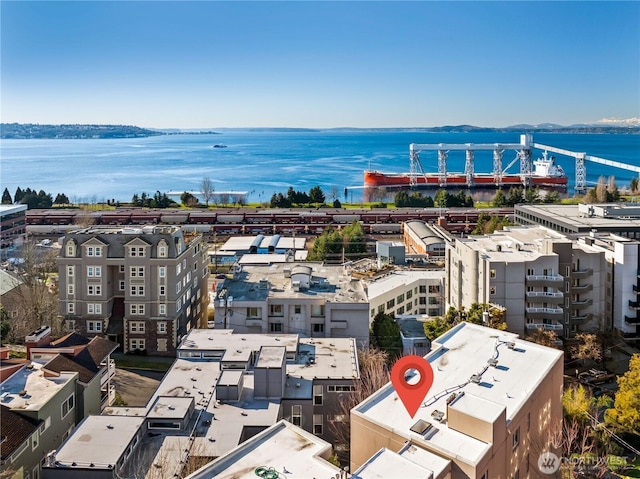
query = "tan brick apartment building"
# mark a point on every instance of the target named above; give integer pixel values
(143, 287)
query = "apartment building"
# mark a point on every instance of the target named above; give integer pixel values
(487, 415)
(143, 287)
(402, 291)
(310, 299)
(542, 278)
(13, 224)
(223, 389)
(622, 283)
(38, 414)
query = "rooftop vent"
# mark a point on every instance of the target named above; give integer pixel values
(437, 415)
(476, 378)
(511, 345)
(492, 362)
(263, 283)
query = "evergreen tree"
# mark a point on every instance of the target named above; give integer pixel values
(515, 196)
(385, 335)
(316, 195)
(17, 197)
(499, 199)
(61, 199)
(6, 197)
(532, 195)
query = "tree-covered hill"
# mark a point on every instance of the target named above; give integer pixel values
(37, 131)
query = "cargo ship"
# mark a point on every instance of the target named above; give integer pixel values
(545, 173)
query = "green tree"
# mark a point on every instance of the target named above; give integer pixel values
(436, 327)
(499, 199)
(515, 196)
(6, 197)
(626, 410)
(441, 199)
(61, 199)
(17, 197)
(532, 195)
(553, 197)
(633, 184)
(187, 199)
(336, 203)
(5, 326)
(385, 335)
(316, 195)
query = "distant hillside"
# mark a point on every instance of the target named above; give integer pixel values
(36, 131)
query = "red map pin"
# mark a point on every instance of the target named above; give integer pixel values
(412, 395)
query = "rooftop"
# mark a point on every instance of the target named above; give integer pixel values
(386, 463)
(402, 277)
(6, 210)
(262, 243)
(327, 282)
(37, 388)
(456, 356)
(99, 441)
(587, 217)
(287, 449)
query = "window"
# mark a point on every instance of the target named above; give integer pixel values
(136, 271)
(400, 310)
(162, 309)
(67, 405)
(94, 289)
(296, 415)
(94, 250)
(162, 327)
(391, 303)
(317, 310)
(275, 327)
(121, 285)
(409, 294)
(70, 289)
(178, 305)
(341, 388)
(492, 290)
(162, 250)
(178, 269)
(423, 289)
(94, 271)
(94, 308)
(94, 326)
(137, 308)
(317, 327)
(137, 251)
(122, 268)
(71, 308)
(137, 290)
(188, 276)
(45, 425)
(516, 437)
(381, 308)
(71, 248)
(178, 286)
(136, 327)
(253, 313)
(70, 325)
(162, 271)
(434, 289)
(34, 441)
(492, 273)
(136, 344)
(317, 395)
(70, 271)
(162, 289)
(400, 299)
(317, 423)
(275, 310)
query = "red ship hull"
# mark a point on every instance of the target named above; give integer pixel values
(458, 180)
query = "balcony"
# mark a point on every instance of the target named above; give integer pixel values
(635, 288)
(543, 280)
(545, 296)
(536, 326)
(635, 305)
(581, 303)
(582, 273)
(107, 397)
(632, 320)
(108, 372)
(581, 289)
(581, 318)
(544, 313)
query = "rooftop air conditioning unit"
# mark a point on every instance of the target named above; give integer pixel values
(476, 378)
(492, 362)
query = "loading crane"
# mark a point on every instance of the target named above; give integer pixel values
(581, 170)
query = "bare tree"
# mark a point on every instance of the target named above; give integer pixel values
(207, 189)
(589, 347)
(83, 219)
(374, 374)
(544, 337)
(601, 190)
(35, 300)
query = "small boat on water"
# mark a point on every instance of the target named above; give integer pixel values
(219, 145)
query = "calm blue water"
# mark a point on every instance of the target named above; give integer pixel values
(263, 163)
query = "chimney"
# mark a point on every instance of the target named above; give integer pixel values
(40, 337)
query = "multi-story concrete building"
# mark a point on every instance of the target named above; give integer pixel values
(223, 389)
(142, 287)
(406, 292)
(487, 415)
(421, 238)
(309, 299)
(622, 283)
(13, 224)
(542, 278)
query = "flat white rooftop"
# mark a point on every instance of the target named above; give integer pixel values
(243, 243)
(286, 449)
(37, 388)
(98, 440)
(385, 464)
(457, 355)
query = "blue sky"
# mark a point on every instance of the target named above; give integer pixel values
(319, 64)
